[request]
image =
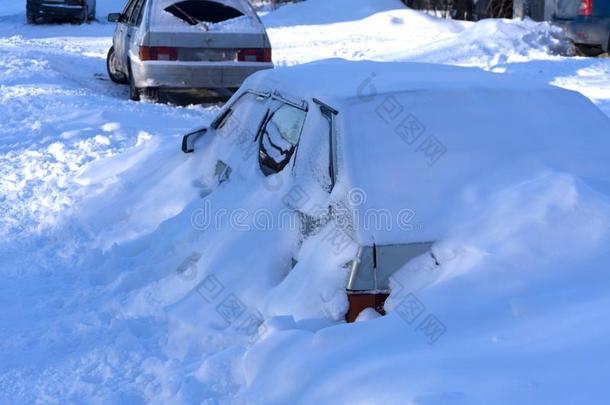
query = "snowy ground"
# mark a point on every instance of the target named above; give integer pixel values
(95, 227)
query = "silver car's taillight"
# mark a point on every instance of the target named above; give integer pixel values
(254, 55)
(158, 53)
(585, 8)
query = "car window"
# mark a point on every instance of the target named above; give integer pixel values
(138, 11)
(287, 121)
(313, 160)
(279, 138)
(194, 12)
(240, 122)
(129, 8)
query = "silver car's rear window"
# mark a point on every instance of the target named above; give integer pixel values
(194, 12)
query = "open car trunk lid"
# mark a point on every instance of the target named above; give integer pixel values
(211, 47)
(206, 40)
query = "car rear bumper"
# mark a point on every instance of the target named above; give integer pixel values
(586, 31)
(52, 10)
(194, 75)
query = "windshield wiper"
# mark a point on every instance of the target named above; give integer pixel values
(185, 16)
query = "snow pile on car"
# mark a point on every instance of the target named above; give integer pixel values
(185, 16)
(470, 140)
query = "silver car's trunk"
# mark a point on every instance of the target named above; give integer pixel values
(206, 40)
(206, 46)
(183, 25)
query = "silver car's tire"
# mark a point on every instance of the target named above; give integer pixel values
(150, 94)
(113, 68)
(134, 92)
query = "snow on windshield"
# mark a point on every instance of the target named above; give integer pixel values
(194, 12)
(204, 15)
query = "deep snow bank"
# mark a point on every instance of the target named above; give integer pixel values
(488, 43)
(356, 30)
(319, 12)
(387, 30)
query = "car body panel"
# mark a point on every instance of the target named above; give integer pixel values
(122, 35)
(373, 266)
(593, 30)
(587, 30)
(195, 75)
(207, 40)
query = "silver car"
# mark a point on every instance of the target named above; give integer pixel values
(186, 45)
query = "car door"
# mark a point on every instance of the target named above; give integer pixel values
(120, 39)
(133, 24)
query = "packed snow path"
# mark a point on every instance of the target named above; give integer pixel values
(82, 169)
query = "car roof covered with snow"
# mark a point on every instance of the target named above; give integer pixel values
(417, 143)
(339, 81)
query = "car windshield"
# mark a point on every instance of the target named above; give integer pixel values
(195, 12)
(280, 137)
(288, 122)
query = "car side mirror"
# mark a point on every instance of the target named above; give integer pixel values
(189, 140)
(115, 17)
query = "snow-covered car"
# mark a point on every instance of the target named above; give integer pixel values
(387, 150)
(186, 45)
(60, 10)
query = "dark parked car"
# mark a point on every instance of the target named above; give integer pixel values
(60, 10)
(587, 23)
